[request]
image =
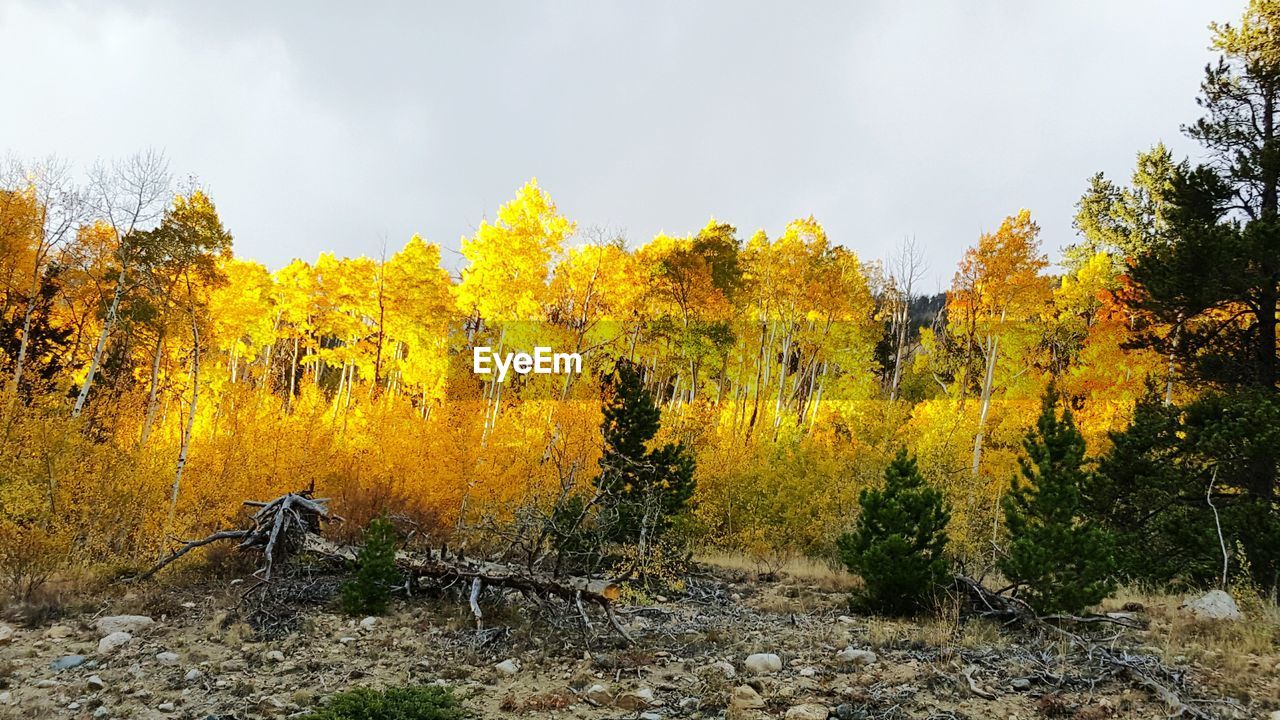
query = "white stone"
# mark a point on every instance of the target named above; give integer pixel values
(598, 694)
(857, 657)
(113, 642)
(650, 716)
(762, 663)
(723, 668)
(193, 674)
(808, 672)
(95, 683)
(745, 697)
(101, 712)
(508, 667)
(369, 622)
(273, 656)
(6, 698)
(166, 707)
(638, 699)
(167, 658)
(122, 623)
(807, 711)
(6, 633)
(1214, 605)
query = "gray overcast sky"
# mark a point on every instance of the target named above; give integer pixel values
(341, 126)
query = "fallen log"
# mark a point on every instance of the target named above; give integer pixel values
(440, 566)
(290, 525)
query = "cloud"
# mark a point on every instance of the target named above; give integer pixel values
(340, 127)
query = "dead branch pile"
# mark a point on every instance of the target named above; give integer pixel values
(1165, 683)
(291, 524)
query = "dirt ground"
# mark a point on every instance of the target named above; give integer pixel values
(202, 659)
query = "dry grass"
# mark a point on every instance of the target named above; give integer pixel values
(1240, 658)
(822, 574)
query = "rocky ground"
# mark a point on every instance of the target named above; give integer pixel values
(729, 645)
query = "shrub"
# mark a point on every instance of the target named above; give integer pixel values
(1061, 560)
(899, 543)
(417, 703)
(368, 592)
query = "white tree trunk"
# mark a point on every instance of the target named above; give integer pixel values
(191, 422)
(988, 379)
(151, 396)
(100, 348)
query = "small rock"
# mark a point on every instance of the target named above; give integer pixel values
(95, 683)
(166, 707)
(808, 711)
(598, 694)
(346, 640)
(845, 711)
(73, 706)
(1274, 715)
(856, 657)
(1020, 684)
(637, 699)
(66, 662)
(193, 675)
(736, 597)
(273, 656)
(762, 663)
(101, 712)
(808, 672)
(690, 704)
(6, 698)
(167, 658)
(745, 697)
(122, 623)
(724, 668)
(650, 716)
(46, 683)
(6, 634)
(508, 667)
(113, 641)
(1214, 605)
(369, 622)
(58, 632)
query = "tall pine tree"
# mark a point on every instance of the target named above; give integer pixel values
(1210, 283)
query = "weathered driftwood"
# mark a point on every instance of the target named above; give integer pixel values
(278, 528)
(290, 524)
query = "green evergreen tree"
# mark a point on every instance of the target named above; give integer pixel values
(368, 591)
(643, 489)
(899, 543)
(1061, 560)
(1150, 493)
